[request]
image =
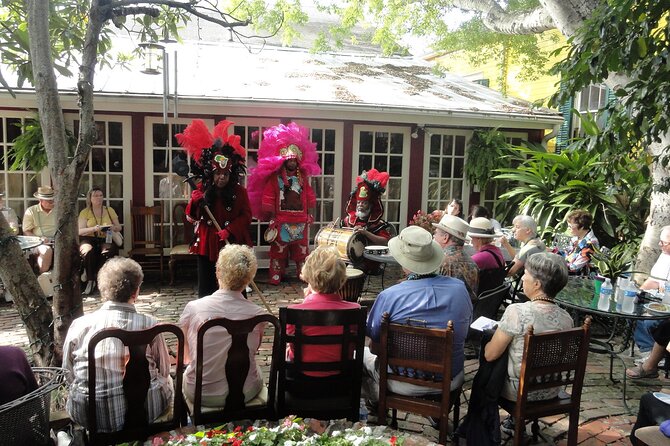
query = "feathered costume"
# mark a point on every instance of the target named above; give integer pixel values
(215, 153)
(284, 197)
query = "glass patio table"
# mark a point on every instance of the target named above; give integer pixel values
(578, 296)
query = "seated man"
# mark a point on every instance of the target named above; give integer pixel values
(40, 220)
(489, 258)
(235, 268)
(660, 273)
(450, 234)
(426, 298)
(325, 273)
(119, 283)
(525, 230)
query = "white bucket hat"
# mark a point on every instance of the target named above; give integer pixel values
(481, 227)
(415, 250)
(453, 225)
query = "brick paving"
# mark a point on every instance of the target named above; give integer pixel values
(603, 417)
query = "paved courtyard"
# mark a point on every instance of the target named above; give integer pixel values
(603, 417)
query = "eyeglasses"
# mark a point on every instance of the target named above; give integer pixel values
(663, 243)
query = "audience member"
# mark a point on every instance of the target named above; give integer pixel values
(652, 412)
(40, 220)
(235, 268)
(659, 275)
(325, 273)
(450, 234)
(545, 275)
(119, 283)
(525, 230)
(425, 298)
(477, 210)
(455, 208)
(649, 366)
(97, 222)
(489, 258)
(16, 375)
(584, 242)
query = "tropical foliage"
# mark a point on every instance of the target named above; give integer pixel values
(548, 185)
(485, 153)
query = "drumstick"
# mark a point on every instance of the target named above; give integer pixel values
(253, 284)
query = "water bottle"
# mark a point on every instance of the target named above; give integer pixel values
(629, 296)
(666, 293)
(621, 284)
(363, 412)
(605, 295)
(108, 236)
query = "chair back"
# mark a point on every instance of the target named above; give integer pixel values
(336, 395)
(147, 224)
(419, 356)
(554, 359)
(236, 370)
(136, 383)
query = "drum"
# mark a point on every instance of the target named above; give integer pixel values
(349, 244)
(352, 288)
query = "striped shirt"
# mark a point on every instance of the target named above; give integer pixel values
(111, 357)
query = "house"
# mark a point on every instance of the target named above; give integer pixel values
(364, 111)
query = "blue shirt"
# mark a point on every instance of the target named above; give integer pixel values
(435, 300)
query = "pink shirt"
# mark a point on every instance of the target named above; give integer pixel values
(320, 353)
(485, 260)
(217, 341)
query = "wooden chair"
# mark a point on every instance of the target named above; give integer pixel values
(323, 397)
(550, 359)
(419, 356)
(183, 234)
(136, 383)
(147, 237)
(236, 370)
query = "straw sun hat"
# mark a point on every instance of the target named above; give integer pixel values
(481, 227)
(415, 250)
(44, 193)
(454, 226)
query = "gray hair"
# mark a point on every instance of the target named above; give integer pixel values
(550, 270)
(527, 222)
(119, 278)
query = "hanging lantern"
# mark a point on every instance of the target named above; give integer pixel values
(153, 57)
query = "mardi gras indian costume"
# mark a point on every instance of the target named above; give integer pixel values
(280, 193)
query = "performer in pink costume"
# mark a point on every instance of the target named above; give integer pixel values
(279, 192)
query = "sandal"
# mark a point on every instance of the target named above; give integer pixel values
(638, 372)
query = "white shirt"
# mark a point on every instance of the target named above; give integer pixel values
(660, 272)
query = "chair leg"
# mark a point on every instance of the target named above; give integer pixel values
(394, 418)
(535, 429)
(519, 428)
(171, 267)
(573, 425)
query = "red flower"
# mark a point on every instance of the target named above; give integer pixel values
(393, 440)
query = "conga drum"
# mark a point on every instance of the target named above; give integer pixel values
(350, 245)
(352, 288)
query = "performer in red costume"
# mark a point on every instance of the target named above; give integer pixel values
(219, 160)
(280, 193)
(365, 208)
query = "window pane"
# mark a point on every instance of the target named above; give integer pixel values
(584, 99)
(329, 187)
(328, 166)
(101, 131)
(448, 145)
(160, 135)
(176, 128)
(115, 186)
(115, 134)
(365, 163)
(381, 163)
(2, 133)
(445, 190)
(460, 145)
(366, 142)
(381, 142)
(13, 129)
(99, 181)
(393, 188)
(160, 160)
(458, 167)
(446, 168)
(395, 169)
(433, 189)
(330, 140)
(115, 160)
(396, 143)
(434, 169)
(317, 137)
(435, 144)
(98, 159)
(393, 211)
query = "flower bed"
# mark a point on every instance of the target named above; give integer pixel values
(289, 432)
(426, 219)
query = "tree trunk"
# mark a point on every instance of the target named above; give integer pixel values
(29, 300)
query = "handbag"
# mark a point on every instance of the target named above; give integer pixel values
(117, 238)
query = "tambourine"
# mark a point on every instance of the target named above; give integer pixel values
(270, 234)
(377, 250)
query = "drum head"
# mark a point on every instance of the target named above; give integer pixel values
(353, 273)
(356, 247)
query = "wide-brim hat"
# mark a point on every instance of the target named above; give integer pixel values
(44, 193)
(453, 225)
(415, 250)
(481, 227)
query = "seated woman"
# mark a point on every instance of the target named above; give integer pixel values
(119, 281)
(455, 207)
(584, 242)
(95, 223)
(235, 268)
(325, 273)
(545, 275)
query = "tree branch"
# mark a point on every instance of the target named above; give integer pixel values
(499, 20)
(189, 7)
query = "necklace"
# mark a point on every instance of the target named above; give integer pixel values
(543, 298)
